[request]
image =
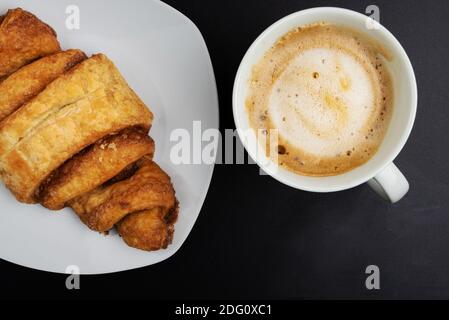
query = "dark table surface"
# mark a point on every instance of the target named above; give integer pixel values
(256, 238)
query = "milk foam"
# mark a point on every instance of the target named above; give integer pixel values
(321, 101)
(328, 93)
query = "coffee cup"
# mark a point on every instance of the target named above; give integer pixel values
(379, 171)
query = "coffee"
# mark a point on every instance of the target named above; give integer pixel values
(327, 91)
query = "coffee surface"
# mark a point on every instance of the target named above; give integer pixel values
(327, 92)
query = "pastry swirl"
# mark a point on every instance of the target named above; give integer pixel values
(94, 166)
(148, 229)
(24, 38)
(54, 126)
(147, 189)
(73, 133)
(30, 80)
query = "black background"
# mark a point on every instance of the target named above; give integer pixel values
(256, 238)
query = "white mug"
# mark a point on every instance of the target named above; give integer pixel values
(379, 172)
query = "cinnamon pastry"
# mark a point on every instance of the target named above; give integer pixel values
(23, 38)
(147, 188)
(82, 106)
(94, 166)
(30, 80)
(143, 207)
(149, 229)
(73, 133)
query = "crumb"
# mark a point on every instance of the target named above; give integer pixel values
(112, 146)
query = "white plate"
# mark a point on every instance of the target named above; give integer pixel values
(164, 58)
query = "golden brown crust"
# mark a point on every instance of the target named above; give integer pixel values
(94, 166)
(82, 106)
(30, 80)
(148, 230)
(149, 187)
(126, 173)
(24, 38)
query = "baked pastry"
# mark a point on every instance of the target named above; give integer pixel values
(24, 38)
(94, 166)
(149, 229)
(30, 80)
(73, 133)
(143, 207)
(147, 188)
(82, 106)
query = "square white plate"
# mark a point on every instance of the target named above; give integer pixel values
(163, 56)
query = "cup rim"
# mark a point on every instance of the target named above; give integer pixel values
(401, 140)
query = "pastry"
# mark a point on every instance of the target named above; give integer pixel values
(142, 207)
(30, 80)
(94, 166)
(147, 188)
(149, 229)
(82, 106)
(73, 133)
(24, 38)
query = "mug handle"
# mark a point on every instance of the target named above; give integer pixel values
(390, 183)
